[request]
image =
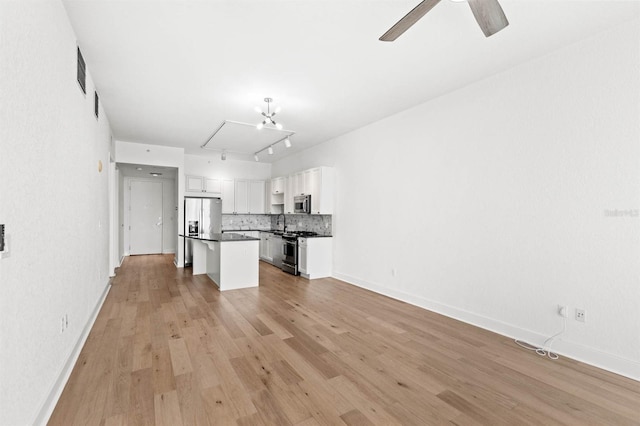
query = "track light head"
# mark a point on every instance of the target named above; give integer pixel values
(223, 157)
(287, 142)
(270, 150)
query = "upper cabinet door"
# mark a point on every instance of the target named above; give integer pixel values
(299, 185)
(256, 196)
(277, 185)
(213, 185)
(194, 184)
(242, 196)
(228, 196)
(320, 186)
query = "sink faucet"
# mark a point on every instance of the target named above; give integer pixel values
(284, 221)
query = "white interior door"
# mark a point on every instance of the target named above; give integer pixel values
(145, 236)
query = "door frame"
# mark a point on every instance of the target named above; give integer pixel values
(126, 200)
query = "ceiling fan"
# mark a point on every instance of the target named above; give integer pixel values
(488, 13)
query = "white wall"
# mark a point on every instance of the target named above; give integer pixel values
(494, 200)
(215, 168)
(54, 202)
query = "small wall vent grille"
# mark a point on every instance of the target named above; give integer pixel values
(82, 73)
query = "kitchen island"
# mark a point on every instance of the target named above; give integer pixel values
(229, 259)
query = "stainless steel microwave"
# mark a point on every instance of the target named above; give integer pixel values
(302, 204)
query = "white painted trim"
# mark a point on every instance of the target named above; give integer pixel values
(49, 404)
(113, 218)
(613, 363)
(169, 251)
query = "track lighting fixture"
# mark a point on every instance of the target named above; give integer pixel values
(268, 116)
(286, 140)
(223, 156)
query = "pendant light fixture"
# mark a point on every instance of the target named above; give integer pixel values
(268, 116)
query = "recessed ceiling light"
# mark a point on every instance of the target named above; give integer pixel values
(155, 174)
(138, 168)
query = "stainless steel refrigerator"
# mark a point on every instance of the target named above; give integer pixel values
(201, 216)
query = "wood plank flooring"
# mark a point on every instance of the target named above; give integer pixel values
(169, 349)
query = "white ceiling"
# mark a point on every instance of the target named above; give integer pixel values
(170, 72)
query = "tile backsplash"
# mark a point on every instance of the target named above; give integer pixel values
(320, 223)
(295, 222)
(245, 221)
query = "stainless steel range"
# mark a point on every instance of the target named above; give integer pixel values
(290, 250)
(290, 253)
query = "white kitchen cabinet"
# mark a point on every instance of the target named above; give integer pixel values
(317, 182)
(300, 187)
(256, 196)
(278, 185)
(228, 196)
(213, 186)
(315, 257)
(265, 246)
(320, 187)
(203, 184)
(194, 184)
(241, 196)
(288, 195)
(302, 256)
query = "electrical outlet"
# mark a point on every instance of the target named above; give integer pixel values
(581, 315)
(563, 311)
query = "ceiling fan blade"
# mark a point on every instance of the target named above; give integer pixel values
(489, 15)
(408, 20)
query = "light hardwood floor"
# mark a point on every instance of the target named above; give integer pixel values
(169, 349)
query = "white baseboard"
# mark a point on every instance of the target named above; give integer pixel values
(168, 251)
(613, 363)
(49, 404)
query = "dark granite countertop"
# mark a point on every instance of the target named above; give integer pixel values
(221, 237)
(276, 232)
(279, 232)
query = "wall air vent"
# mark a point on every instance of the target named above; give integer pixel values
(82, 73)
